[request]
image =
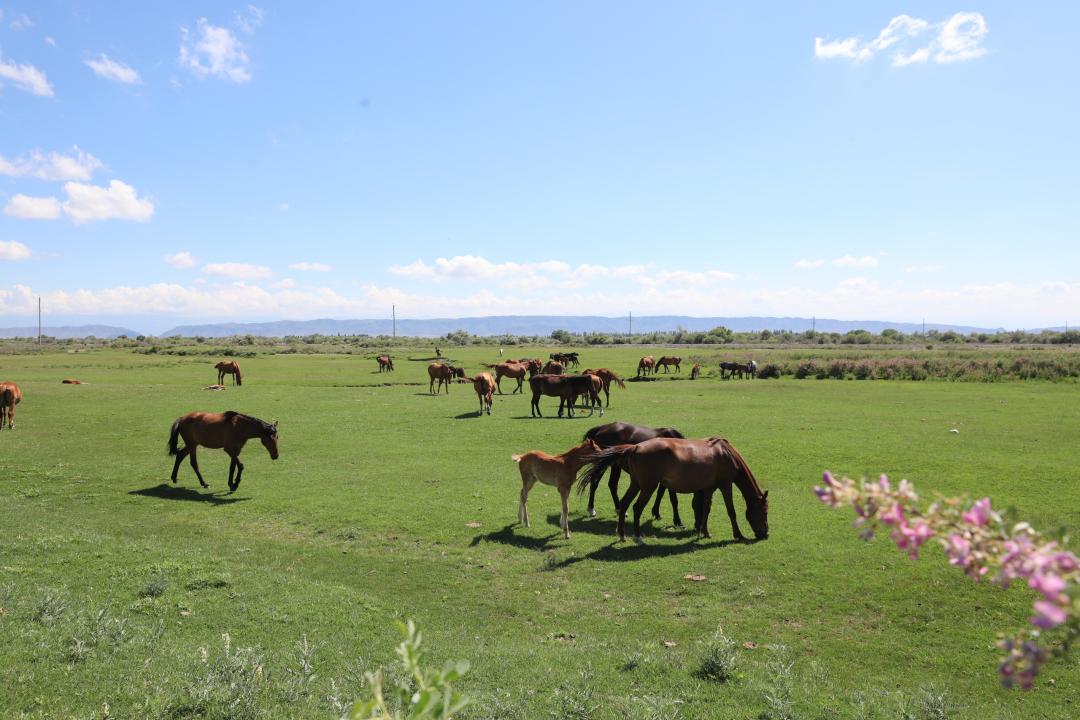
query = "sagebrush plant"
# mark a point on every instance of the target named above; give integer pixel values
(977, 540)
(720, 658)
(420, 694)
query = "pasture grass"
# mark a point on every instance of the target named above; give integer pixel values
(122, 595)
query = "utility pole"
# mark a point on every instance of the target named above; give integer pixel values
(393, 315)
(813, 324)
(39, 320)
(630, 324)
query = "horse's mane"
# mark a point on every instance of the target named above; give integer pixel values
(267, 427)
(741, 465)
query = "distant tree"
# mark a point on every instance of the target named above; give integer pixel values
(720, 334)
(562, 336)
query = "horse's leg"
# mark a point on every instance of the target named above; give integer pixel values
(564, 521)
(232, 469)
(725, 489)
(639, 506)
(613, 485)
(695, 503)
(195, 467)
(674, 508)
(523, 504)
(706, 503)
(623, 506)
(239, 472)
(656, 505)
(179, 459)
(431, 387)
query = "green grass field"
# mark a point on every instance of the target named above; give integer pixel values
(368, 516)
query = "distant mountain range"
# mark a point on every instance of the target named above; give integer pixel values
(66, 332)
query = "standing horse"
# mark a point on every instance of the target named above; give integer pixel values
(229, 367)
(558, 471)
(751, 367)
(566, 388)
(444, 374)
(512, 369)
(386, 363)
(484, 385)
(553, 367)
(683, 466)
(646, 365)
(620, 433)
(228, 431)
(695, 372)
(606, 376)
(727, 369)
(10, 396)
(667, 360)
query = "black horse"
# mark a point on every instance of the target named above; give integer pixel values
(620, 433)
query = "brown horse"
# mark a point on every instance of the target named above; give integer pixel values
(229, 367)
(668, 360)
(10, 396)
(553, 367)
(444, 374)
(683, 466)
(558, 471)
(646, 365)
(620, 433)
(227, 430)
(512, 369)
(386, 363)
(484, 385)
(695, 372)
(606, 376)
(566, 388)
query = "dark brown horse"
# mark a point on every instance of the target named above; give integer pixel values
(606, 376)
(566, 388)
(668, 360)
(646, 365)
(569, 359)
(444, 374)
(512, 369)
(683, 466)
(229, 367)
(620, 433)
(728, 369)
(10, 396)
(386, 363)
(228, 431)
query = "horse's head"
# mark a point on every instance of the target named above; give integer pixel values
(269, 439)
(757, 514)
(457, 372)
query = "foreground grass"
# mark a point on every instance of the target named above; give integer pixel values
(371, 514)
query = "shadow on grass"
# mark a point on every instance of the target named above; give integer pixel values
(608, 526)
(507, 536)
(165, 491)
(628, 551)
(462, 416)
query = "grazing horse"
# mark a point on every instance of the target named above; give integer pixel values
(667, 360)
(606, 376)
(728, 369)
(569, 359)
(566, 388)
(740, 368)
(10, 396)
(553, 367)
(559, 471)
(229, 367)
(646, 365)
(751, 367)
(512, 369)
(695, 372)
(683, 466)
(227, 430)
(386, 363)
(444, 374)
(484, 385)
(620, 433)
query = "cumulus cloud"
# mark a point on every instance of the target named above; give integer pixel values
(14, 251)
(118, 201)
(25, 77)
(20, 22)
(181, 260)
(957, 38)
(212, 51)
(237, 271)
(73, 165)
(809, 264)
(114, 70)
(312, 266)
(25, 207)
(852, 261)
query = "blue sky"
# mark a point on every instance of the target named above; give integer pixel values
(173, 162)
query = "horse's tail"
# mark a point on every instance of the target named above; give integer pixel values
(174, 435)
(516, 458)
(594, 465)
(239, 378)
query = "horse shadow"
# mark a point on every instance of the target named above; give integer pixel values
(629, 552)
(470, 414)
(507, 536)
(165, 491)
(605, 526)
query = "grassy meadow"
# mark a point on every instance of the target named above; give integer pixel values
(117, 589)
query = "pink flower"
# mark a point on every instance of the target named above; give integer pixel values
(1050, 586)
(883, 483)
(910, 537)
(894, 515)
(979, 514)
(958, 550)
(1048, 615)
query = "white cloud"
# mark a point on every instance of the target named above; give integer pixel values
(25, 77)
(14, 251)
(283, 284)
(77, 165)
(118, 201)
(237, 271)
(249, 20)
(852, 261)
(923, 268)
(50, 41)
(20, 22)
(214, 51)
(181, 260)
(114, 70)
(312, 266)
(283, 207)
(957, 38)
(25, 207)
(809, 264)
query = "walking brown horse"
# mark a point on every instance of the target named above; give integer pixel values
(620, 433)
(386, 363)
(606, 376)
(228, 431)
(683, 466)
(484, 385)
(512, 369)
(444, 374)
(558, 471)
(566, 388)
(10, 396)
(668, 360)
(229, 367)
(646, 364)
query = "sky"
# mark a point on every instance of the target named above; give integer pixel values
(163, 163)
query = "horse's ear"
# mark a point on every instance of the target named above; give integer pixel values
(765, 495)
(275, 427)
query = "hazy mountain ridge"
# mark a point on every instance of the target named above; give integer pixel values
(67, 332)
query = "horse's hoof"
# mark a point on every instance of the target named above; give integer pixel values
(592, 513)
(680, 526)
(638, 541)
